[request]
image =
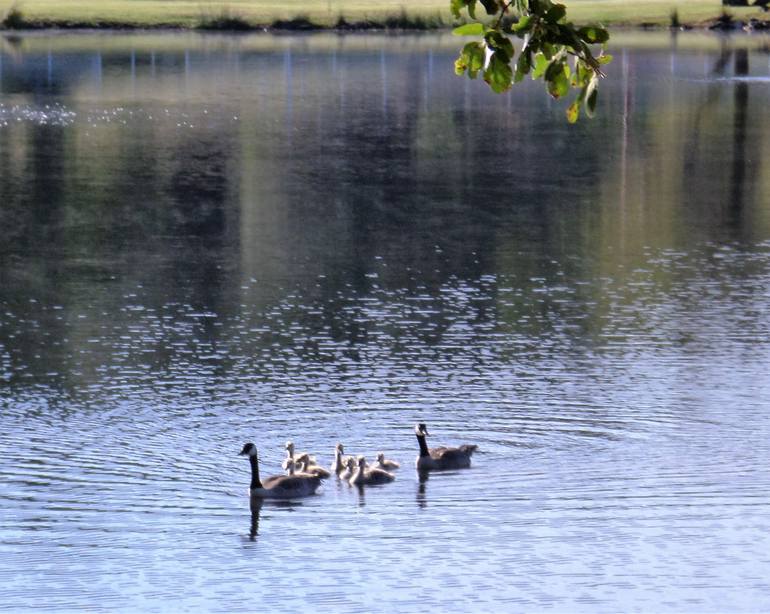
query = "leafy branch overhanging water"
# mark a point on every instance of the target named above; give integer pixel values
(553, 49)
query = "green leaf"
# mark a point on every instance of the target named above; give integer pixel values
(573, 112)
(523, 66)
(469, 29)
(477, 57)
(593, 34)
(523, 25)
(558, 86)
(604, 59)
(555, 13)
(554, 69)
(471, 59)
(541, 64)
(500, 44)
(461, 65)
(498, 74)
(582, 72)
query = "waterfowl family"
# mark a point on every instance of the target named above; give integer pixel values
(277, 486)
(385, 464)
(305, 475)
(368, 476)
(443, 457)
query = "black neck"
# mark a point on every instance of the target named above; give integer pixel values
(255, 483)
(423, 446)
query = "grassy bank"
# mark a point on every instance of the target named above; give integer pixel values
(247, 14)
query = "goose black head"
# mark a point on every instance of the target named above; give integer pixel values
(421, 429)
(249, 449)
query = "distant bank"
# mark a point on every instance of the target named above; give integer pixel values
(247, 15)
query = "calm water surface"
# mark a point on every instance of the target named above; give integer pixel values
(212, 240)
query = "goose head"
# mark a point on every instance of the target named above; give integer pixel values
(339, 448)
(249, 449)
(361, 461)
(380, 457)
(421, 430)
(290, 448)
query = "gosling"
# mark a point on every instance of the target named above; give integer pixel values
(364, 476)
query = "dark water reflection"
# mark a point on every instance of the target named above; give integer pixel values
(209, 240)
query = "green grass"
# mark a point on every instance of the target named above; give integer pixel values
(243, 14)
(225, 19)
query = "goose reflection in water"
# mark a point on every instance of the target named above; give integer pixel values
(256, 506)
(256, 509)
(361, 490)
(422, 477)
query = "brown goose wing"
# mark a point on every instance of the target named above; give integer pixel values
(285, 482)
(442, 452)
(451, 454)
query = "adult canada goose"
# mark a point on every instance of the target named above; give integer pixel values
(441, 458)
(305, 468)
(340, 461)
(385, 464)
(362, 475)
(294, 459)
(277, 486)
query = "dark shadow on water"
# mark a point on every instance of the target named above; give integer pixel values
(422, 479)
(740, 126)
(361, 488)
(257, 505)
(256, 509)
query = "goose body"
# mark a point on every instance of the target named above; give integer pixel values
(385, 464)
(277, 486)
(340, 461)
(443, 457)
(370, 476)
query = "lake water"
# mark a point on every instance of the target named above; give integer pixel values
(211, 240)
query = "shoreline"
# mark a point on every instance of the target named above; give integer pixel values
(15, 23)
(289, 27)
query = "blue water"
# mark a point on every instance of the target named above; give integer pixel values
(212, 240)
